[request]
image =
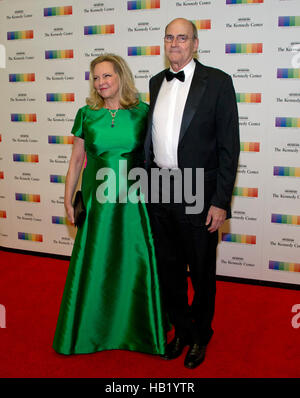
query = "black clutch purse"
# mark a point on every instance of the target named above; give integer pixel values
(79, 210)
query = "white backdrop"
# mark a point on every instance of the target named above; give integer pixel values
(46, 48)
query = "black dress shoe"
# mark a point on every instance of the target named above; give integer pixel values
(195, 356)
(175, 348)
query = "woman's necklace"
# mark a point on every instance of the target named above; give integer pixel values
(113, 115)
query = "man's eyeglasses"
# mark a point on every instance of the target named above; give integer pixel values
(179, 38)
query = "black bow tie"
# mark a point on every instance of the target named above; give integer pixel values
(170, 75)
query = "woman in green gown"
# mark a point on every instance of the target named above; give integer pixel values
(111, 298)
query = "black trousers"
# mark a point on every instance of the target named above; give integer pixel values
(178, 244)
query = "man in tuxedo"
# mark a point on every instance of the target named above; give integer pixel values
(193, 123)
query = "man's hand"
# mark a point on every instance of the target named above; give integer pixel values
(216, 217)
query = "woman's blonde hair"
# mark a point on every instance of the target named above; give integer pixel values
(128, 91)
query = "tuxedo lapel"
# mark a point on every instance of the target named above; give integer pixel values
(195, 95)
(154, 90)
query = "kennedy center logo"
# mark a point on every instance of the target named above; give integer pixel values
(287, 122)
(59, 54)
(244, 1)
(20, 35)
(244, 48)
(21, 77)
(239, 238)
(285, 219)
(249, 98)
(286, 171)
(250, 146)
(60, 97)
(245, 192)
(99, 30)
(60, 139)
(143, 50)
(284, 266)
(30, 237)
(23, 117)
(56, 11)
(289, 21)
(288, 73)
(142, 4)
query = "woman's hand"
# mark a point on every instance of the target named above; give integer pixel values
(70, 212)
(75, 166)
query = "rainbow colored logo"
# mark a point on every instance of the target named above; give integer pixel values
(202, 24)
(244, 1)
(2, 214)
(20, 35)
(245, 192)
(143, 50)
(244, 48)
(289, 21)
(28, 197)
(59, 54)
(250, 146)
(248, 98)
(60, 97)
(23, 117)
(285, 219)
(239, 238)
(142, 4)
(57, 178)
(30, 237)
(284, 266)
(60, 139)
(287, 122)
(55, 11)
(99, 30)
(288, 73)
(286, 171)
(60, 220)
(21, 77)
(21, 157)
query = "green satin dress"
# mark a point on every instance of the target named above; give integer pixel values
(111, 298)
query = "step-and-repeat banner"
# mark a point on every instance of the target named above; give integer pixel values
(45, 50)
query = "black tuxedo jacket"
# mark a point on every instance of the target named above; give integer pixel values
(209, 135)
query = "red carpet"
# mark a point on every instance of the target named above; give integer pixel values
(254, 337)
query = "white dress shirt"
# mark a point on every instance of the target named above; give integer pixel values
(167, 117)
